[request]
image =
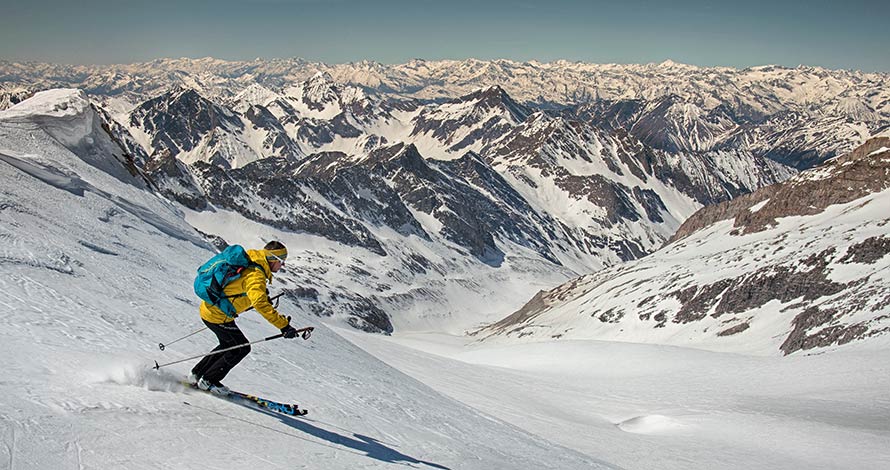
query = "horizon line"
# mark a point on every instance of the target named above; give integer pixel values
(666, 62)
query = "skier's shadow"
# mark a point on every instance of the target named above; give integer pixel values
(364, 444)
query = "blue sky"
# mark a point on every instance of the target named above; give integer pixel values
(834, 34)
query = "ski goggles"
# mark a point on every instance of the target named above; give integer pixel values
(281, 259)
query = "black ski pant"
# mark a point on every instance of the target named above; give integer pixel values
(214, 368)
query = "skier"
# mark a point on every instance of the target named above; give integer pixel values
(248, 290)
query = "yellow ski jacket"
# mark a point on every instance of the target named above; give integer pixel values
(253, 283)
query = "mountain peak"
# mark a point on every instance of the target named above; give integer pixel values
(495, 90)
(320, 78)
(489, 95)
(183, 93)
(255, 94)
(496, 97)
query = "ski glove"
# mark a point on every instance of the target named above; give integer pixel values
(289, 332)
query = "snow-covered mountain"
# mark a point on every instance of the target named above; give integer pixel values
(10, 96)
(573, 197)
(479, 175)
(186, 125)
(101, 237)
(756, 91)
(468, 123)
(668, 105)
(794, 266)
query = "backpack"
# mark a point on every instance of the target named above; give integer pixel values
(219, 271)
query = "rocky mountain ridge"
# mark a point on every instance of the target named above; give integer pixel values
(606, 178)
(794, 266)
(769, 110)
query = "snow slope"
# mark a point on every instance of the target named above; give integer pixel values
(644, 406)
(94, 272)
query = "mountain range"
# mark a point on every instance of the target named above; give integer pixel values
(797, 115)
(474, 177)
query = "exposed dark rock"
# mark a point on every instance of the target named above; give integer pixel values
(710, 215)
(273, 185)
(218, 242)
(661, 318)
(11, 98)
(812, 318)
(365, 315)
(851, 177)
(696, 302)
(612, 315)
(363, 194)
(301, 293)
(180, 119)
(652, 203)
(492, 101)
(734, 329)
(750, 291)
(417, 264)
(868, 251)
(175, 181)
(776, 283)
(277, 141)
(610, 115)
(613, 197)
(539, 303)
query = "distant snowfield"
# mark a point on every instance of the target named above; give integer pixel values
(647, 406)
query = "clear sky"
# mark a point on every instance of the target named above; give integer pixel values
(850, 34)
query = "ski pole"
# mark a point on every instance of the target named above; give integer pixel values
(163, 346)
(305, 333)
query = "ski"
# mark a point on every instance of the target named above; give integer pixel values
(290, 409)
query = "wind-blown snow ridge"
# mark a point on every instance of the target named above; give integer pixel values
(56, 103)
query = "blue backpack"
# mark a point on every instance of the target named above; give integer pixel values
(219, 271)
